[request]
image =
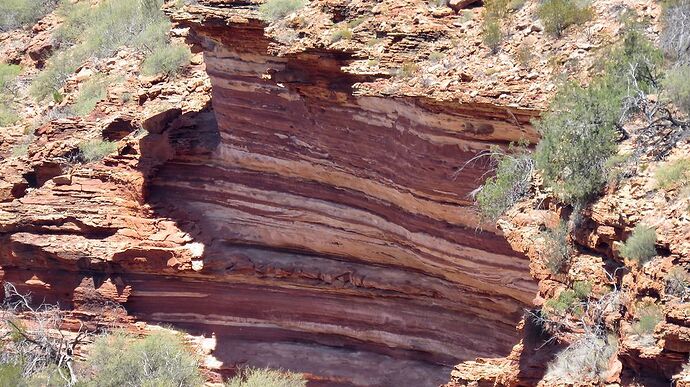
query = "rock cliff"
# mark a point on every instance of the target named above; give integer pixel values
(308, 224)
(307, 199)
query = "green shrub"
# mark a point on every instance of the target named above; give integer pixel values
(157, 360)
(496, 9)
(557, 15)
(579, 132)
(674, 174)
(104, 29)
(277, 9)
(492, 34)
(8, 72)
(99, 31)
(582, 289)
(11, 375)
(407, 70)
(677, 86)
(563, 303)
(436, 57)
(54, 75)
(578, 137)
(556, 249)
(640, 246)
(510, 183)
(256, 377)
(94, 150)
(167, 59)
(90, 93)
(341, 33)
(19, 13)
(647, 319)
(8, 117)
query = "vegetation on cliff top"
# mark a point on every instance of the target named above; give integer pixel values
(99, 31)
(263, 377)
(273, 10)
(20, 13)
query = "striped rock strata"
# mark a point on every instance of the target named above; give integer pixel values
(304, 225)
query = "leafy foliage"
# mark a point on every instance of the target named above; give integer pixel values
(99, 31)
(54, 75)
(91, 92)
(492, 35)
(7, 116)
(273, 10)
(578, 137)
(257, 377)
(156, 360)
(640, 246)
(556, 250)
(677, 86)
(341, 33)
(103, 29)
(95, 150)
(580, 131)
(673, 174)
(557, 15)
(8, 72)
(167, 59)
(510, 183)
(647, 319)
(19, 13)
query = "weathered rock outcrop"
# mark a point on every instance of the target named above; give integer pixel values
(305, 224)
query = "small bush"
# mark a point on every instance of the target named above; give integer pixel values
(640, 246)
(95, 150)
(277, 9)
(157, 360)
(582, 289)
(11, 375)
(525, 55)
(256, 377)
(556, 249)
(19, 13)
(557, 15)
(8, 72)
(496, 9)
(8, 117)
(647, 319)
(99, 31)
(675, 36)
(407, 70)
(436, 57)
(91, 92)
(673, 175)
(510, 183)
(342, 33)
(561, 304)
(103, 29)
(587, 358)
(678, 283)
(492, 34)
(578, 137)
(168, 59)
(677, 86)
(53, 77)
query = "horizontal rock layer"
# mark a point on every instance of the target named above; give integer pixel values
(306, 226)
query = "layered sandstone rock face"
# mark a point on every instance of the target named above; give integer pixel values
(304, 224)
